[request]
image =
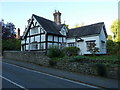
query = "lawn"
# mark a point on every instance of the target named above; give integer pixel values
(105, 57)
(80, 57)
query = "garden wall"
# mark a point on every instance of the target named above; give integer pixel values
(89, 68)
(81, 66)
(35, 57)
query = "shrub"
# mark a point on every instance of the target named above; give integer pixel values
(71, 51)
(94, 50)
(101, 70)
(11, 44)
(112, 47)
(77, 59)
(52, 62)
(55, 51)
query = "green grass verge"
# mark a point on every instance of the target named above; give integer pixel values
(105, 57)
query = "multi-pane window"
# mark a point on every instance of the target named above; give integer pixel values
(55, 38)
(49, 45)
(63, 45)
(42, 46)
(34, 46)
(34, 30)
(90, 44)
(71, 44)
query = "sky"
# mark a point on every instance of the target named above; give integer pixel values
(73, 12)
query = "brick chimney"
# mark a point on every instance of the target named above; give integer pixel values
(57, 17)
(18, 33)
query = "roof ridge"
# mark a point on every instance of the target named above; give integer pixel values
(43, 18)
(88, 25)
(51, 25)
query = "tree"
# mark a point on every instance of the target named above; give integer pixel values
(109, 37)
(9, 41)
(112, 47)
(67, 26)
(93, 49)
(115, 28)
(11, 44)
(8, 30)
(79, 25)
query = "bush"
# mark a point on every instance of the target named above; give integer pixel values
(101, 70)
(52, 62)
(77, 59)
(71, 51)
(54, 52)
(11, 44)
(112, 47)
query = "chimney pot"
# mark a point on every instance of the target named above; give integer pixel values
(18, 33)
(57, 17)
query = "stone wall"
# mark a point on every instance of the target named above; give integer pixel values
(35, 57)
(83, 66)
(87, 68)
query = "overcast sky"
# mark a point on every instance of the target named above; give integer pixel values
(73, 12)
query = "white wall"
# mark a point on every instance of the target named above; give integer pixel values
(82, 45)
(33, 31)
(27, 47)
(102, 38)
(27, 40)
(22, 41)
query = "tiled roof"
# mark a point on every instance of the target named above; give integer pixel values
(86, 30)
(60, 26)
(52, 28)
(49, 26)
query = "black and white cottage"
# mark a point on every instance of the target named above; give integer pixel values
(42, 33)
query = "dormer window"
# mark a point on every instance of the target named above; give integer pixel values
(63, 30)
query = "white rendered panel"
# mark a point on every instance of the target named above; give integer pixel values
(27, 40)
(22, 41)
(27, 47)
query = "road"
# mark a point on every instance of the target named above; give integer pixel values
(18, 77)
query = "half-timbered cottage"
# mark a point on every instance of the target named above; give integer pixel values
(42, 33)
